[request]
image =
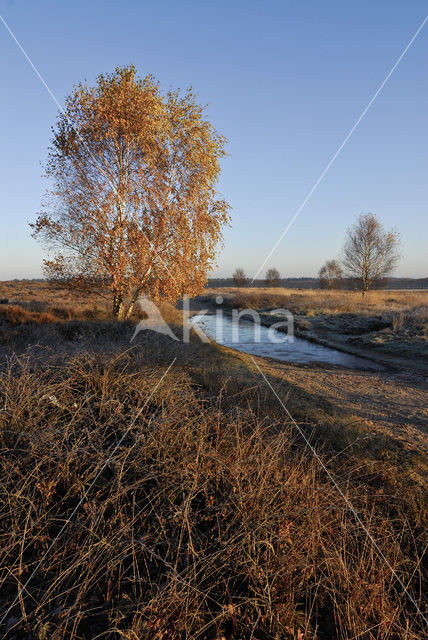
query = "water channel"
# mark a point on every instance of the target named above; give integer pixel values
(246, 336)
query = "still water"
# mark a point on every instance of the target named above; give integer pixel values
(257, 340)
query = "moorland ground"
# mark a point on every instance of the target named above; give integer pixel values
(388, 327)
(175, 498)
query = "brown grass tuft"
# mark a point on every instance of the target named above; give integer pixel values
(209, 518)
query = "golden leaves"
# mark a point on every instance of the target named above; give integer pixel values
(134, 201)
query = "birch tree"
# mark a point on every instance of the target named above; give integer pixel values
(370, 252)
(134, 207)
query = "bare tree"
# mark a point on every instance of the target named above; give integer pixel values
(331, 275)
(272, 277)
(370, 252)
(239, 277)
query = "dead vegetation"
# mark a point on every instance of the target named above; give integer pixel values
(315, 301)
(192, 508)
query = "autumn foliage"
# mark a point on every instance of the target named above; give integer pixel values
(134, 208)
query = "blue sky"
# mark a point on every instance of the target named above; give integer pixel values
(284, 81)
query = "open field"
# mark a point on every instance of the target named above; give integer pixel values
(182, 502)
(38, 296)
(310, 301)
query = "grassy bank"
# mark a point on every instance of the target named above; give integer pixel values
(388, 326)
(182, 502)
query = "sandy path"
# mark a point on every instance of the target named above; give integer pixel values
(392, 404)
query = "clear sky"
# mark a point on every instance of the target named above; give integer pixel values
(284, 81)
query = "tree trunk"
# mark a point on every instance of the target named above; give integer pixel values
(134, 299)
(118, 305)
(129, 310)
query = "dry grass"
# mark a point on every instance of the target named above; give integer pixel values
(411, 320)
(311, 301)
(40, 297)
(210, 520)
(15, 315)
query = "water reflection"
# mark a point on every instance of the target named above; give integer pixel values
(246, 336)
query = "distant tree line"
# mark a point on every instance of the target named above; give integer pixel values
(369, 255)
